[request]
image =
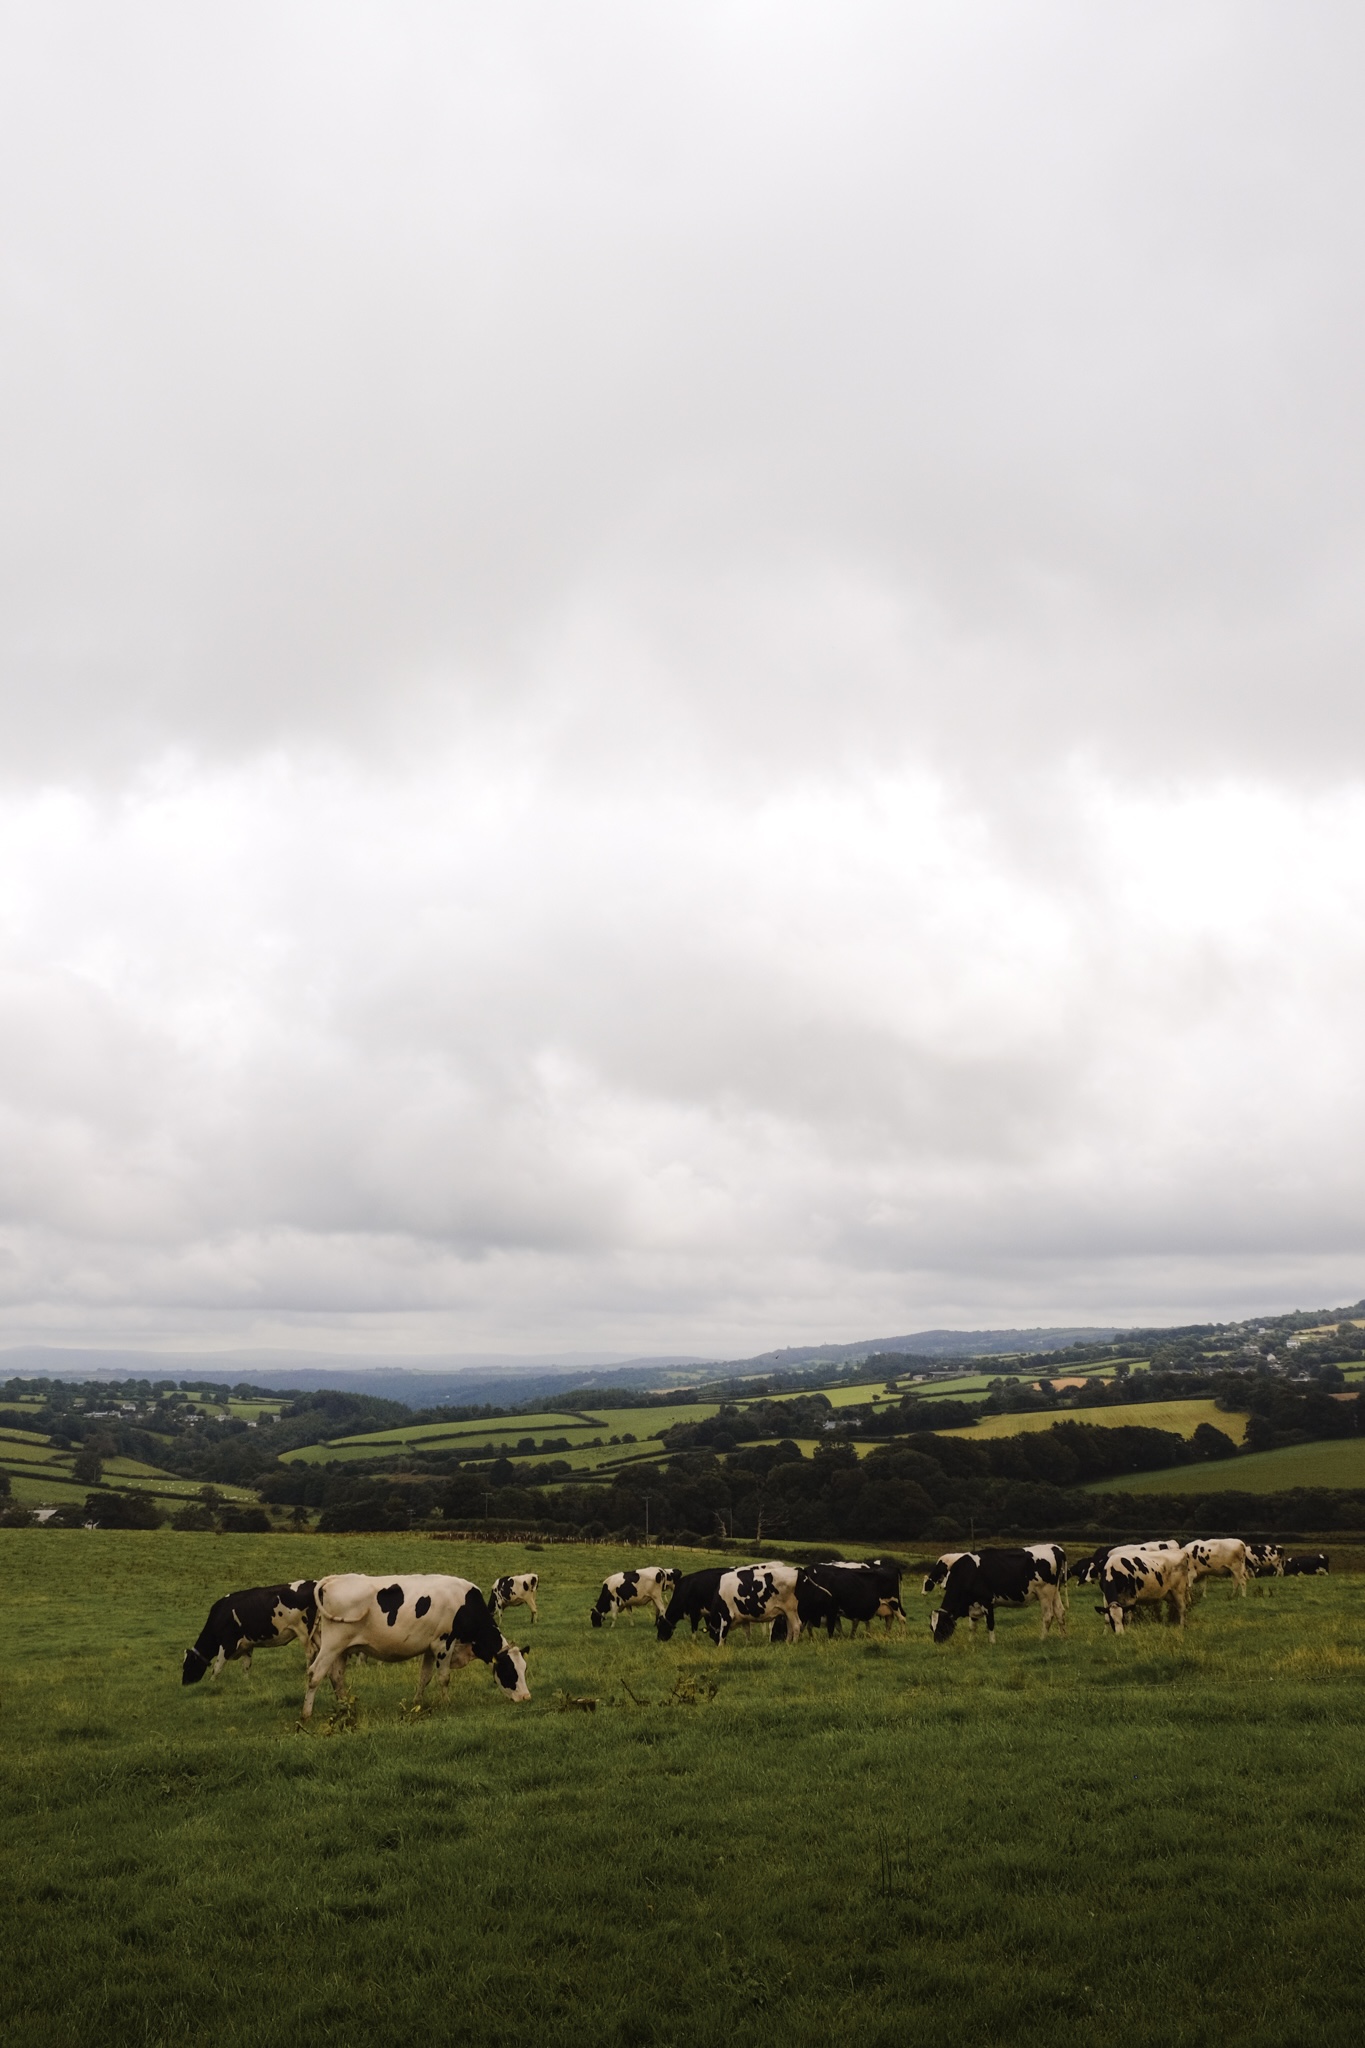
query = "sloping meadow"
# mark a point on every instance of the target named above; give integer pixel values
(1151, 1841)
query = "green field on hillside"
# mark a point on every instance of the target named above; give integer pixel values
(472, 1438)
(1338, 1463)
(1181, 1417)
(737, 1848)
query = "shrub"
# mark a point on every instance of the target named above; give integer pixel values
(246, 1522)
(122, 1511)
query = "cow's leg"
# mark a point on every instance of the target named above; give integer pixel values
(990, 1623)
(530, 1602)
(453, 1659)
(320, 1668)
(246, 1662)
(424, 1671)
(216, 1667)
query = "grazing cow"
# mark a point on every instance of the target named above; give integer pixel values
(1142, 1575)
(254, 1620)
(938, 1572)
(623, 1592)
(862, 1592)
(981, 1578)
(443, 1621)
(762, 1592)
(1306, 1567)
(1087, 1572)
(1219, 1557)
(1053, 1554)
(692, 1595)
(516, 1590)
(1265, 1560)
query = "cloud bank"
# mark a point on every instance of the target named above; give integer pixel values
(678, 683)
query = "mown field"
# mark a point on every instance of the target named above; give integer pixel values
(1340, 1462)
(1183, 1417)
(1152, 1842)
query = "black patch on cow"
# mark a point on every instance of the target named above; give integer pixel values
(423, 1604)
(473, 1624)
(388, 1600)
(505, 1671)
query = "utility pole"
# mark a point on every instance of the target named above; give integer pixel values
(646, 1521)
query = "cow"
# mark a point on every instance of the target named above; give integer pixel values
(1053, 1554)
(981, 1578)
(623, 1592)
(1087, 1572)
(861, 1591)
(939, 1571)
(1314, 1566)
(1219, 1557)
(692, 1595)
(256, 1619)
(516, 1590)
(1265, 1560)
(444, 1621)
(1145, 1574)
(762, 1592)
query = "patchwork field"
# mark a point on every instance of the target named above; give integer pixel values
(1340, 1463)
(40, 1475)
(879, 1842)
(1181, 1417)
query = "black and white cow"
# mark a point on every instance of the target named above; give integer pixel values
(1314, 1566)
(1053, 1554)
(623, 1592)
(1145, 1574)
(256, 1619)
(444, 1621)
(762, 1592)
(939, 1570)
(517, 1589)
(1265, 1560)
(1219, 1557)
(692, 1595)
(861, 1592)
(983, 1578)
(1087, 1572)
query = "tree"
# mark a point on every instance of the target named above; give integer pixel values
(88, 1468)
(1208, 1442)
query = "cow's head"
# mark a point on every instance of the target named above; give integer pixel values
(941, 1625)
(663, 1628)
(509, 1668)
(193, 1668)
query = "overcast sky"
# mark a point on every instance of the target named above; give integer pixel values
(679, 679)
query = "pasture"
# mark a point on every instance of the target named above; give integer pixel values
(1181, 1417)
(1339, 1462)
(1151, 1842)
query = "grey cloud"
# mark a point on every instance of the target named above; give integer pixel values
(677, 680)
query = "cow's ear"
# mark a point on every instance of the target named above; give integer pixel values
(526, 1649)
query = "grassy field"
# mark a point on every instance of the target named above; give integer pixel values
(473, 1437)
(1183, 1417)
(1147, 1843)
(1340, 1463)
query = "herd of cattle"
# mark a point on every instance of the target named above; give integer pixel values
(448, 1621)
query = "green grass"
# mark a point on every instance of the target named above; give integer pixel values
(1339, 1463)
(470, 1438)
(1056, 1845)
(1183, 1417)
